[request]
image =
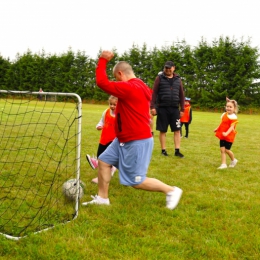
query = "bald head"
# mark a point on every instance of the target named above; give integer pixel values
(123, 71)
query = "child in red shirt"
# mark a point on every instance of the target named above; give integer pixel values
(107, 125)
(187, 117)
(226, 133)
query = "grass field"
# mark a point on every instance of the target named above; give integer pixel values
(217, 218)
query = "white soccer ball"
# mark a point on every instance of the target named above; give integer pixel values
(69, 189)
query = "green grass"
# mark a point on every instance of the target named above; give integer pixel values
(217, 218)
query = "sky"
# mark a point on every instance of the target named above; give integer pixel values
(55, 26)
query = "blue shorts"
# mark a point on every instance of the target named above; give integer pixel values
(132, 159)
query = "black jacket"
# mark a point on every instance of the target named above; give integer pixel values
(168, 92)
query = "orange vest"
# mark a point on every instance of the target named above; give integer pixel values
(186, 115)
(225, 124)
(108, 132)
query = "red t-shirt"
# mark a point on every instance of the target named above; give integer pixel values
(108, 132)
(133, 106)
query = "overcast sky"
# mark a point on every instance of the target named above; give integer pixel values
(90, 25)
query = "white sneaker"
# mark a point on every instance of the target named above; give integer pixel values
(233, 163)
(222, 166)
(97, 200)
(173, 198)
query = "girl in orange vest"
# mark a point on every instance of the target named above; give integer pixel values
(107, 125)
(226, 133)
(187, 117)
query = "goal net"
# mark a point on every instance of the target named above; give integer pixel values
(39, 151)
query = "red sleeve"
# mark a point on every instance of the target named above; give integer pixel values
(118, 89)
(101, 75)
(182, 98)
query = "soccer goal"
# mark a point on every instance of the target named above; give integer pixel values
(40, 146)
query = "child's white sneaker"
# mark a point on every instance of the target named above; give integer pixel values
(233, 163)
(222, 166)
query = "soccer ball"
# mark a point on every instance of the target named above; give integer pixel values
(69, 189)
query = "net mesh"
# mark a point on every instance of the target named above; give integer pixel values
(39, 151)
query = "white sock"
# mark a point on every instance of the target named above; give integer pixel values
(103, 199)
(170, 192)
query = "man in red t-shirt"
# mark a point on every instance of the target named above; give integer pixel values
(131, 150)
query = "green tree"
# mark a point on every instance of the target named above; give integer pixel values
(52, 65)
(90, 83)
(4, 67)
(202, 87)
(20, 75)
(209, 72)
(82, 77)
(227, 68)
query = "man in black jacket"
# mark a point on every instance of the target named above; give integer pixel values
(168, 104)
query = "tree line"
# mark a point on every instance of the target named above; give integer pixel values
(210, 72)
